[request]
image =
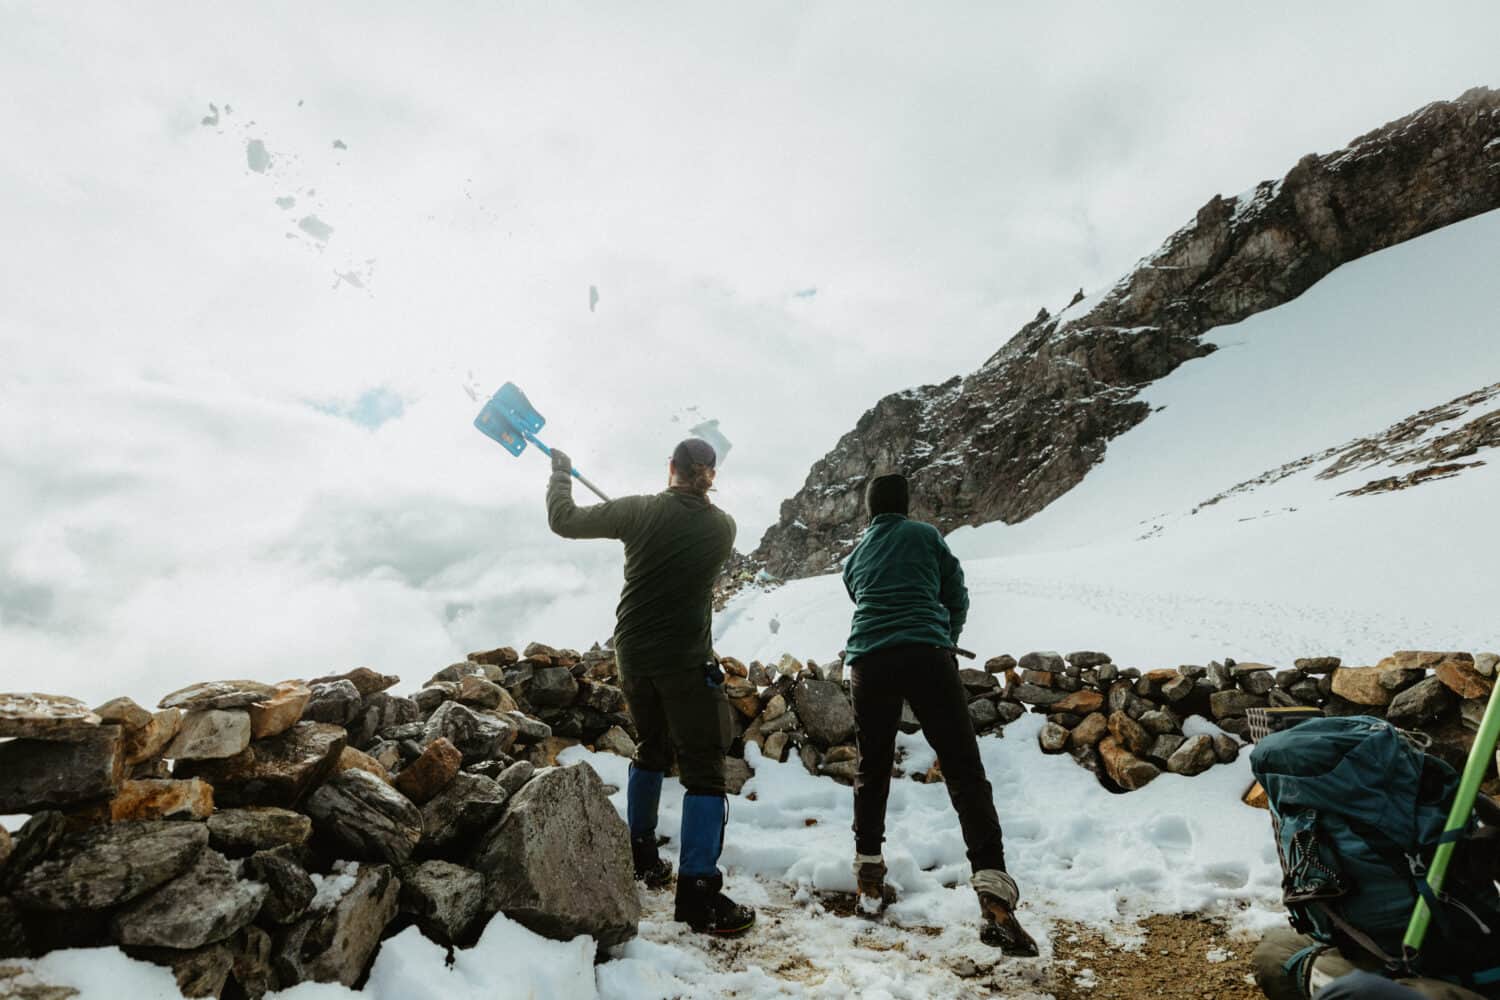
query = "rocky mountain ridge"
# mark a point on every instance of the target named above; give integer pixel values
(1006, 440)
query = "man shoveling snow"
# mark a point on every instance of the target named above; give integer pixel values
(676, 543)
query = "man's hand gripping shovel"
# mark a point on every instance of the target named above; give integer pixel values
(510, 419)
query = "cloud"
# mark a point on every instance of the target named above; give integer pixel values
(174, 508)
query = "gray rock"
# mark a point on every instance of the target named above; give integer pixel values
(552, 687)
(736, 773)
(366, 681)
(616, 741)
(1420, 703)
(274, 772)
(289, 889)
(978, 681)
(211, 734)
(1485, 664)
(478, 735)
(1230, 704)
(108, 866)
(1048, 661)
(1286, 678)
(1033, 694)
(1218, 676)
(204, 904)
(429, 698)
(1257, 682)
(1052, 738)
(37, 775)
(842, 771)
(529, 730)
(1306, 692)
(46, 717)
(443, 898)
(256, 828)
(559, 861)
(1160, 723)
(1399, 679)
(1086, 659)
(1107, 673)
(218, 694)
(250, 951)
(1009, 711)
(783, 723)
(1192, 671)
(380, 712)
(1194, 756)
(1177, 688)
(983, 714)
(372, 820)
(1226, 748)
(1282, 699)
(469, 804)
(200, 972)
(1317, 664)
(514, 776)
(38, 837)
(337, 944)
(825, 711)
(1163, 747)
(334, 702)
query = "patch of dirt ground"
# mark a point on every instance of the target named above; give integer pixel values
(1179, 957)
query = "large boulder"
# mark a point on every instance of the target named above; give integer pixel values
(824, 710)
(559, 861)
(336, 942)
(273, 772)
(1421, 703)
(36, 775)
(109, 865)
(204, 904)
(367, 817)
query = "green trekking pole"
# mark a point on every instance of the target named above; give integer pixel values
(1458, 818)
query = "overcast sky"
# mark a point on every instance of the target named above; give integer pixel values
(232, 443)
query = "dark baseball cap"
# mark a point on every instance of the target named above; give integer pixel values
(694, 451)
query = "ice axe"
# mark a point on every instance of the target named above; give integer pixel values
(1458, 819)
(509, 418)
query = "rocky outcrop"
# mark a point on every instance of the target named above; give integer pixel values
(1005, 441)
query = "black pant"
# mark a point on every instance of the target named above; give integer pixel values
(927, 679)
(683, 714)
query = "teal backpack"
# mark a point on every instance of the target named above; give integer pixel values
(1358, 811)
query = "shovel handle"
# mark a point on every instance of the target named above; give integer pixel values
(576, 474)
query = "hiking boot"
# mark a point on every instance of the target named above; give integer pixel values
(873, 894)
(1002, 930)
(702, 905)
(650, 867)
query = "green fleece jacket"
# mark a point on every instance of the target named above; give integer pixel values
(907, 587)
(676, 542)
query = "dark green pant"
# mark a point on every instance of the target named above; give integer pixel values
(682, 714)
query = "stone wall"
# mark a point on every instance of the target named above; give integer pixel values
(254, 836)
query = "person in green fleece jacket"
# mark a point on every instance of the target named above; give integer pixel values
(676, 543)
(910, 605)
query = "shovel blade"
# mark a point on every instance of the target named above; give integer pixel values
(519, 408)
(494, 422)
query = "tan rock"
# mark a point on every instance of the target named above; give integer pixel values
(36, 716)
(1463, 679)
(217, 694)
(733, 667)
(1425, 659)
(1127, 770)
(365, 680)
(1255, 796)
(775, 746)
(280, 712)
(147, 800)
(351, 759)
(6, 845)
(1129, 734)
(476, 690)
(125, 713)
(211, 734)
(430, 773)
(544, 754)
(1081, 702)
(503, 656)
(616, 741)
(775, 708)
(841, 753)
(747, 703)
(1089, 732)
(1361, 685)
(145, 733)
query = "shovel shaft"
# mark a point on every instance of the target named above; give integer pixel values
(584, 480)
(1463, 807)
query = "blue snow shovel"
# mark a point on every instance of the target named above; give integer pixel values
(510, 419)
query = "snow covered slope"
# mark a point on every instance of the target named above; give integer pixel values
(1133, 562)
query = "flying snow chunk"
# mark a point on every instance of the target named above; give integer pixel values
(804, 293)
(593, 297)
(286, 202)
(211, 119)
(316, 228)
(709, 431)
(256, 156)
(339, 144)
